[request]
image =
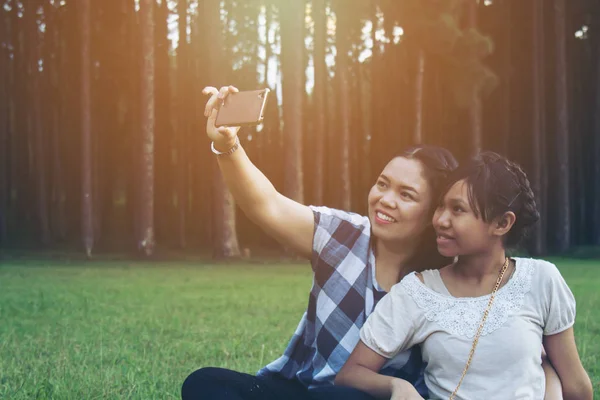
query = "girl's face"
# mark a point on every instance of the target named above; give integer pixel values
(459, 231)
(400, 201)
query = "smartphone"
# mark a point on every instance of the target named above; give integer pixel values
(242, 108)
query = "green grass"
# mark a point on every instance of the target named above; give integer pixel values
(136, 330)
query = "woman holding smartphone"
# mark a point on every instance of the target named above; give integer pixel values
(355, 259)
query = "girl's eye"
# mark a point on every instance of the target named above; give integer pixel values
(457, 209)
(381, 185)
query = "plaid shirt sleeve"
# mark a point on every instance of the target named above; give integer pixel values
(332, 228)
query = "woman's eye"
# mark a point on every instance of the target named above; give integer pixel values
(381, 185)
(406, 195)
(457, 209)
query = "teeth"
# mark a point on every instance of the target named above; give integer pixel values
(385, 217)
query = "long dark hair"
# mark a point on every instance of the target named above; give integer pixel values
(438, 163)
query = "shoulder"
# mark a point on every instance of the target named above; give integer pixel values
(545, 279)
(410, 285)
(541, 270)
(326, 214)
(337, 227)
(340, 239)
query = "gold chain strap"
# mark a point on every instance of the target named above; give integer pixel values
(480, 329)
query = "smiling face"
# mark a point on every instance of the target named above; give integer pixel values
(400, 201)
(459, 230)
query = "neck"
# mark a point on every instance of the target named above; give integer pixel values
(394, 256)
(478, 266)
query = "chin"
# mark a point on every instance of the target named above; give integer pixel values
(447, 252)
(381, 234)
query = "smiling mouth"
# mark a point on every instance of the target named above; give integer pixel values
(445, 237)
(384, 217)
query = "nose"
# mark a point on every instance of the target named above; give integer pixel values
(441, 219)
(387, 200)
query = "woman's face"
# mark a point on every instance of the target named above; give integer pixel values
(459, 230)
(400, 201)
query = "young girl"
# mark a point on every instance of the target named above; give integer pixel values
(481, 321)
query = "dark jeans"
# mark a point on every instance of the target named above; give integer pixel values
(224, 384)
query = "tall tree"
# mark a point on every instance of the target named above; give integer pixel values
(319, 98)
(539, 177)
(39, 125)
(164, 172)
(146, 239)
(132, 121)
(225, 240)
(292, 44)
(563, 228)
(52, 56)
(342, 70)
(86, 128)
(506, 67)
(183, 69)
(475, 111)
(5, 60)
(419, 95)
(596, 136)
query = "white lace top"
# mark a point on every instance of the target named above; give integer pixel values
(535, 301)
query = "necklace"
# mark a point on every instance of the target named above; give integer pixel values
(480, 329)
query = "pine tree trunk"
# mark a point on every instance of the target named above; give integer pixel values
(475, 113)
(365, 99)
(539, 177)
(292, 43)
(39, 136)
(197, 140)
(132, 122)
(506, 84)
(164, 172)
(182, 124)
(58, 214)
(18, 143)
(376, 100)
(596, 154)
(202, 155)
(225, 241)
(4, 131)
(419, 91)
(146, 241)
(344, 142)
(563, 229)
(86, 129)
(27, 179)
(319, 95)
(10, 126)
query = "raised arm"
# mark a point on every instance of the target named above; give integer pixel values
(562, 353)
(287, 221)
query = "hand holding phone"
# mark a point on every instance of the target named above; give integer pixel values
(242, 108)
(232, 109)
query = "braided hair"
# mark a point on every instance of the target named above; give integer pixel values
(497, 185)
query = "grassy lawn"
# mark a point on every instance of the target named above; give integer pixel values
(135, 330)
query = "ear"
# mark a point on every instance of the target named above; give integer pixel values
(502, 224)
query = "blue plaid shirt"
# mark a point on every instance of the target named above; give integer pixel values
(343, 294)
